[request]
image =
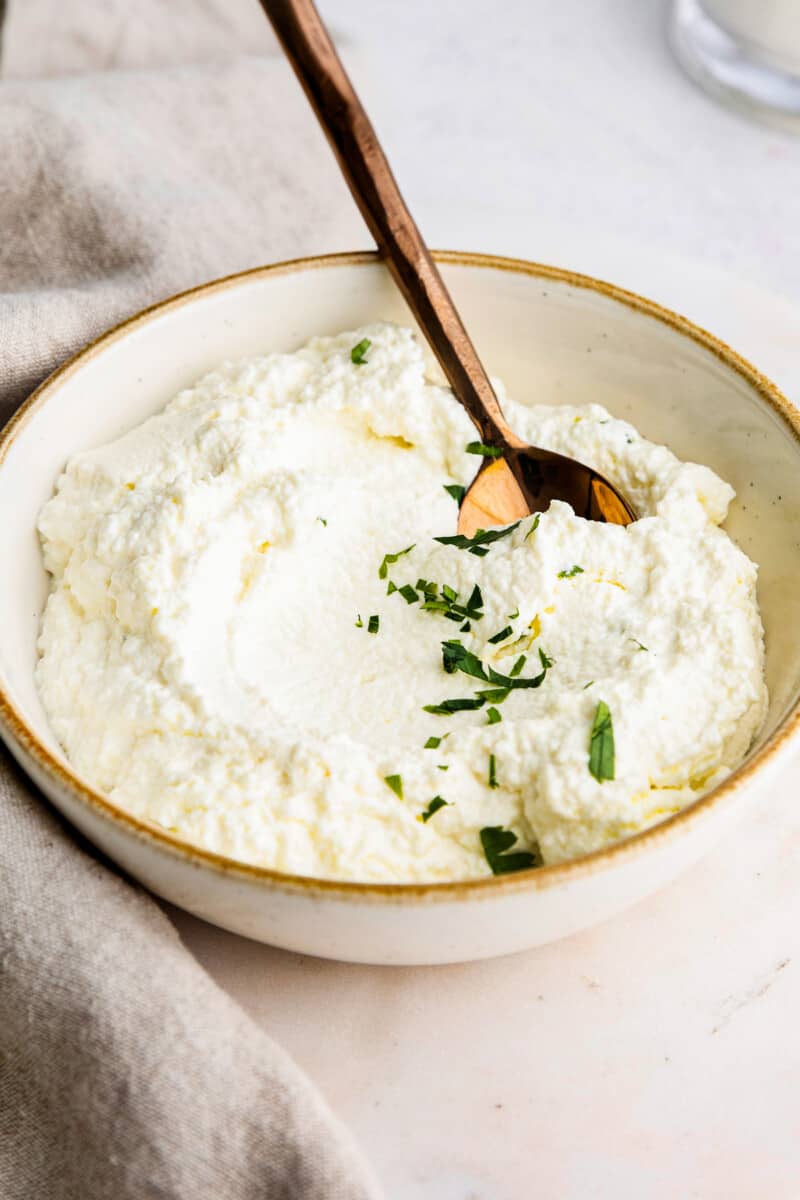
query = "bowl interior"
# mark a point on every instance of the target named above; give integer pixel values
(550, 338)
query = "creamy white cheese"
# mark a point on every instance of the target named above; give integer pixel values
(206, 659)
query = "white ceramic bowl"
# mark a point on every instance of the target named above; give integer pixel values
(553, 337)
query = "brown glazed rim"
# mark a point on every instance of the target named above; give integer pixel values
(15, 728)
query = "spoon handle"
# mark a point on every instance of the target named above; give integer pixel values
(311, 52)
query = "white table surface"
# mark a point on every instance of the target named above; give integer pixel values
(658, 1055)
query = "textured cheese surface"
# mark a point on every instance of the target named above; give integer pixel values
(205, 654)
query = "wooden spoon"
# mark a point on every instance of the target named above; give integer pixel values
(515, 479)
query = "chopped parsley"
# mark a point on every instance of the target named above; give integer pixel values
(433, 743)
(501, 636)
(373, 624)
(408, 593)
(493, 772)
(571, 573)
(395, 782)
(456, 490)
(358, 352)
(388, 559)
(448, 604)
(483, 450)
(601, 744)
(638, 643)
(442, 767)
(587, 685)
(534, 526)
(496, 841)
(359, 622)
(433, 807)
(513, 616)
(448, 707)
(322, 520)
(456, 657)
(495, 695)
(479, 542)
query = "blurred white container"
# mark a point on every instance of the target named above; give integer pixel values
(746, 52)
(771, 28)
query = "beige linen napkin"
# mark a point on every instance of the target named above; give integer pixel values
(124, 1071)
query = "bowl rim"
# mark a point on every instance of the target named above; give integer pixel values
(15, 730)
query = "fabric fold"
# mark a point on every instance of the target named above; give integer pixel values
(124, 1070)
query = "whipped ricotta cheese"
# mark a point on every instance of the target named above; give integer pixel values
(227, 652)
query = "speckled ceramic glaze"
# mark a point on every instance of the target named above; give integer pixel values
(554, 337)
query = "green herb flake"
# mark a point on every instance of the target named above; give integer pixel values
(571, 573)
(495, 695)
(358, 352)
(449, 606)
(465, 628)
(442, 767)
(359, 622)
(433, 807)
(501, 636)
(483, 450)
(448, 707)
(408, 593)
(433, 743)
(456, 490)
(456, 657)
(513, 616)
(601, 744)
(388, 559)
(445, 608)
(493, 716)
(493, 772)
(322, 521)
(480, 542)
(587, 685)
(639, 644)
(395, 782)
(374, 623)
(534, 526)
(496, 841)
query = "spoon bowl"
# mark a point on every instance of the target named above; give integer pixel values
(525, 479)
